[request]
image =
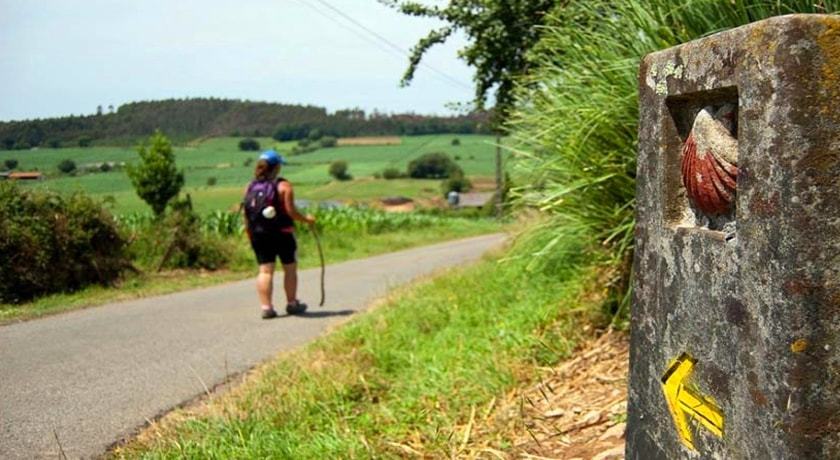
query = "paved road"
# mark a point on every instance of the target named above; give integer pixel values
(94, 376)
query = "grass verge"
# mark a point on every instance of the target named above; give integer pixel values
(408, 378)
(338, 247)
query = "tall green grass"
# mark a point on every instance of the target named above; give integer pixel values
(574, 130)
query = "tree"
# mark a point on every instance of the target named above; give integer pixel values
(98, 110)
(11, 163)
(500, 34)
(338, 169)
(156, 179)
(85, 141)
(433, 166)
(328, 142)
(249, 144)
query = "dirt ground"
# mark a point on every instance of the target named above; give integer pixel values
(577, 410)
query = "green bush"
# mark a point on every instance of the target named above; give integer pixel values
(457, 183)
(67, 166)
(328, 142)
(338, 170)
(211, 181)
(249, 145)
(11, 163)
(392, 173)
(433, 166)
(50, 243)
(185, 242)
(85, 141)
(456, 142)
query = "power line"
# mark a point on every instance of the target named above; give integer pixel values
(350, 29)
(391, 44)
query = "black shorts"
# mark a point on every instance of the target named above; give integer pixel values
(269, 247)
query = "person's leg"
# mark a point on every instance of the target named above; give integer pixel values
(290, 282)
(265, 285)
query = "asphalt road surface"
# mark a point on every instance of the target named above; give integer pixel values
(92, 377)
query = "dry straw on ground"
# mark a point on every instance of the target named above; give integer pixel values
(576, 410)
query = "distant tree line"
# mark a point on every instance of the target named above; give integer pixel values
(184, 119)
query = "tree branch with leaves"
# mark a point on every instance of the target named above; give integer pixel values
(500, 34)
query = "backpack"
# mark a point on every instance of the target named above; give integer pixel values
(260, 195)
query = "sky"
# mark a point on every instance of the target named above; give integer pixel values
(62, 57)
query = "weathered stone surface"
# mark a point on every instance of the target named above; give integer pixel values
(753, 296)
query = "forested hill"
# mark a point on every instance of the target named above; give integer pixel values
(185, 119)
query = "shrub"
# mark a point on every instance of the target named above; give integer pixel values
(85, 141)
(248, 162)
(54, 143)
(392, 173)
(338, 169)
(456, 141)
(328, 142)
(50, 243)
(155, 179)
(67, 166)
(249, 145)
(457, 183)
(314, 135)
(433, 166)
(105, 167)
(186, 242)
(22, 145)
(11, 163)
(211, 181)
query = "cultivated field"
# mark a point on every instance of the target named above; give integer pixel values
(221, 159)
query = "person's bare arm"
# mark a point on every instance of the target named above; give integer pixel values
(288, 195)
(245, 216)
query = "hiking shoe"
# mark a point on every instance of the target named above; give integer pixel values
(268, 314)
(295, 308)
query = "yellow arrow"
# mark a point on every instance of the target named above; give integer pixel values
(687, 404)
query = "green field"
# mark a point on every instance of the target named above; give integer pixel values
(220, 158)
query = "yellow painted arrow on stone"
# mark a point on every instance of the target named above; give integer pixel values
(687, 404)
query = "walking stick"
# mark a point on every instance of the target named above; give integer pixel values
(321, 254)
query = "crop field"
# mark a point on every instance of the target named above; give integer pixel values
(221, 159)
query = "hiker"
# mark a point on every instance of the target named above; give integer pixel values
(269, 219)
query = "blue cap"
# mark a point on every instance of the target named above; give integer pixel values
(273, 158)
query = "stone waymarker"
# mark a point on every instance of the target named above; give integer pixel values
(735, 344)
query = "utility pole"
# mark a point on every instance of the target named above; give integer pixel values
(499, 176)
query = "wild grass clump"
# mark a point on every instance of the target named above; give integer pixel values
(575, 126)
(53, 243)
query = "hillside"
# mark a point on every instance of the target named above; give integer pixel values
(185, 119)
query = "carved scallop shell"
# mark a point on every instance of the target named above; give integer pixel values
(709, 162)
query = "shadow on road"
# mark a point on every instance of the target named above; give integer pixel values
(324, 314)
